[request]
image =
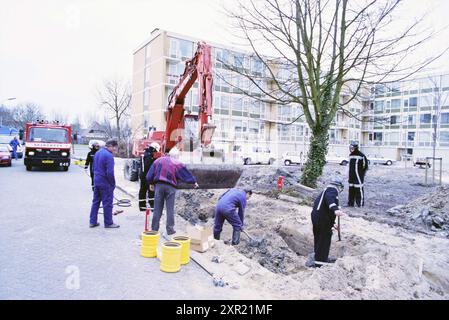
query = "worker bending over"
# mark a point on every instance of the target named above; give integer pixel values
(231, 207)
(325, 209)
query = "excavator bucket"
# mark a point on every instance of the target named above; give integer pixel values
(214, 176)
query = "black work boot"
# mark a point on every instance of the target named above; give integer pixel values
(217, 235)
(235, 237)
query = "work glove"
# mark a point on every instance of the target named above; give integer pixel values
(196, 185)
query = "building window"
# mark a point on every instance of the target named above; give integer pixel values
(393, 119)
(225, 104)
(444, 118)
(410, 136)
(237, 105)
(174, 48)
(186, 48)
(413, 102)
(411, 120)
(444, 137)
(377, 136)
(379, 106)
(425, 118)
(424, 137)
(396, 104)
(405, 103)
(284, 132)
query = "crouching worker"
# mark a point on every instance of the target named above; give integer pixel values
(226, 209)
(325, 209)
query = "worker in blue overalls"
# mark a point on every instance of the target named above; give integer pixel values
(104, 185)
(14, 143)
(231, 207)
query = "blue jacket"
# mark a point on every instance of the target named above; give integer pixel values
(231, 200)
(104, 168)
(169, 170)
(14, 144)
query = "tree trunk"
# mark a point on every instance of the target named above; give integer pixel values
(316, 158)
(118, 129)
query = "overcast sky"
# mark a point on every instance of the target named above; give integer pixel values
(57, 52)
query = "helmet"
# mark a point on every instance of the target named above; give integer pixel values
(156, 146)
(354, 144)
(337, 181)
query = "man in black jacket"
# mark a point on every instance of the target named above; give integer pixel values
(358, 165)
(146, 161)
(325, 209)
(90, 161)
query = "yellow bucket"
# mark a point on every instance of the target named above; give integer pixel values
(150, 241)
(185, 248)
(171, 257)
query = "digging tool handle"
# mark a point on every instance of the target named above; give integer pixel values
(247, 235)
(339, 233)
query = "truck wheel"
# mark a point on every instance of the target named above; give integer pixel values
(129, 173)
(343, 163)
(29, 168)
(287, 162)
(389, 163)
(247, 161)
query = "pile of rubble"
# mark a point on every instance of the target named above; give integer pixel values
(430, 212)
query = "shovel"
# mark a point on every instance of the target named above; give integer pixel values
(253, 242)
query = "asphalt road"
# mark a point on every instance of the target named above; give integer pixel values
(48, 251)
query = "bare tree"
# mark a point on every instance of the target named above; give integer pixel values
(6, 118)
(310, 52)
(439, 99)
(29, 112)
(115, 97)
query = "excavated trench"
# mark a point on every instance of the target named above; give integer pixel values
(284, 245)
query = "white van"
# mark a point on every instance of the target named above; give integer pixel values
(255, 155)
(292, 157)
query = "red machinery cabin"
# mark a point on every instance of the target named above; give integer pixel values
(47, 144)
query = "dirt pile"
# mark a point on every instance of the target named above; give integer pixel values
(431, 211)
(197, 206)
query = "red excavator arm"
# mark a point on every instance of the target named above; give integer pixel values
(199, 67)
(209, 177)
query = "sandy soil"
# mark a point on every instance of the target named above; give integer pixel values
(375, 261)
(384, 253)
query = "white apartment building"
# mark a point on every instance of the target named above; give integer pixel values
(396, 119)
(240, 120)
(401, 117)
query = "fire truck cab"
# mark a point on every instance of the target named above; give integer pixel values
(47, 144)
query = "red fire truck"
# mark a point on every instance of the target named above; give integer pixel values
(47, 144)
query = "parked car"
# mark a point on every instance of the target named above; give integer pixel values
(292, 157)
(258, 155)
(5, 156)
(6, 139)
(335, 158)
(379, 159)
